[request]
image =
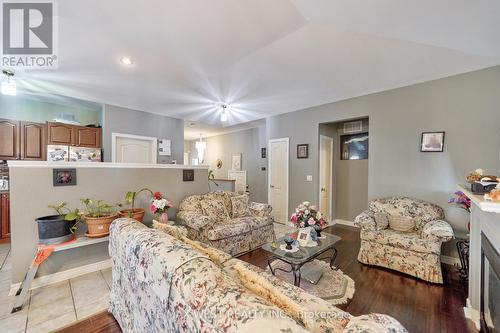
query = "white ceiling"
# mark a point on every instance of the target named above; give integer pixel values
(263, 57)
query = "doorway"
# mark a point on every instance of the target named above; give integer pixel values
(326, 176)
(278, 178)
(127, 148)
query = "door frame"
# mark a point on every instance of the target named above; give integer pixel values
(287, 141)
(115, 136)
(330, 186)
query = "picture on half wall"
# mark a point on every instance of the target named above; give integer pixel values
(354, 147)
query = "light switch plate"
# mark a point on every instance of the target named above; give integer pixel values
(309, 178)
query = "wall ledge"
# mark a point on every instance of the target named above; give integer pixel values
(43, 164)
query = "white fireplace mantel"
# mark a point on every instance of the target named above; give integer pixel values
(485, 218)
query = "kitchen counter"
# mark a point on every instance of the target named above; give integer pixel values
(44, 164)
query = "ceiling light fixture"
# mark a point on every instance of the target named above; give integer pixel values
(224, 109)
(200, 147)
(9, 85)
(126, 61)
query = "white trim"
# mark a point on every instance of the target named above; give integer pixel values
(345, 222)
(450, 260)
(330, 187)
(71, 273)
(45, 164)
(472, 314)
(287, 140)
(153, 140)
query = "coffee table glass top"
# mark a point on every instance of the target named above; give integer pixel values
(304, 254)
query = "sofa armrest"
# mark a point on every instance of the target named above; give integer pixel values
(194, 220)
(365, 221)
(260, 209)
(374, 323)
(437, 230)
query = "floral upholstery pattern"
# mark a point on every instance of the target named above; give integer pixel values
(214, 209)
(232, 235)
(192, 204)
(416, 253)
(239, 206)
(175, 288)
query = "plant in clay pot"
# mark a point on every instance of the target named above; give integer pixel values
(159, 206)
(98, 216)
(135, 213)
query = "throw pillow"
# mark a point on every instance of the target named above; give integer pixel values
(239, 205)
(401, 223)
(214, 209)
(381, 220)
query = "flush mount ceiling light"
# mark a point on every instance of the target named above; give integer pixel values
(126, 61)
(224, 109)
(200, 147)
(8, 84)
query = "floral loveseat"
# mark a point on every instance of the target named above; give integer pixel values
(417, 252)
(163, 284)
(225, 230)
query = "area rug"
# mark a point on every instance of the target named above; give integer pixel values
(334, 286)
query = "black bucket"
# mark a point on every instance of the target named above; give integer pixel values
(53, 229)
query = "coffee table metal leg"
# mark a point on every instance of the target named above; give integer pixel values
(296, 275)
(332, 259)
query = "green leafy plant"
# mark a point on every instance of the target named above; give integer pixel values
(211, 177)
(98, 208)
(68, 214)
(131, 195)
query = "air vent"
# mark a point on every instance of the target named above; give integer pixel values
(353, 126)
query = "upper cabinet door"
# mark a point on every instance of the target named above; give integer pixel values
(33, 137)
(9, 139)
(88, 137)
(61, 134)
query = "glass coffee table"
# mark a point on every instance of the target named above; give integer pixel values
(304, 255)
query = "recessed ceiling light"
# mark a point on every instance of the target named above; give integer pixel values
(224, 109)
(126, 61)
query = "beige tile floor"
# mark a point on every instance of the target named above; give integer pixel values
(54, 306)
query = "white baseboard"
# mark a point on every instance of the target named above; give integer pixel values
(472, 314)
(46, 280)
(344, 222)
(450, 260)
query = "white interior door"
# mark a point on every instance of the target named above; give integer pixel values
(325, 176)
(278, 178)
(133, 149)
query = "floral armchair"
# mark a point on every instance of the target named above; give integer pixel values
(226, 231)
(416, 252)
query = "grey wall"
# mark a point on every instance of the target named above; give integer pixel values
(248, 142)
(466, 106)
(31, 187)
(128, 121)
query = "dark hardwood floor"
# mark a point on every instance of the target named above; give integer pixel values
(418, 305)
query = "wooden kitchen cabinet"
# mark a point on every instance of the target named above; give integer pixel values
(9, 139)
(61, 134)
(33, 141)
(4, 216)
(88, 137)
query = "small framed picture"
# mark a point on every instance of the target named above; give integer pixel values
(63, 177)
(304, 236)
(303, 150)
(188, 175)
(432, 142)
(236, 162)
(263, 152)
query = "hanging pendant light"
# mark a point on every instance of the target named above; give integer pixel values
(200, 147)
(9, 85)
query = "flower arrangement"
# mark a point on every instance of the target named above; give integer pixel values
(461, 201)
(159, 204)
(307, 215)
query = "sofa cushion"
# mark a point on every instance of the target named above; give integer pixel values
(401, 223)
(191, 204)
(374, 322)
(381, 220)
(239, 206)
(229, 228)
(254, 222)
(403, 240)
(405, 206)
(224, 196)
(214, 209)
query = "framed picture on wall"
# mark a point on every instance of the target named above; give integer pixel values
(303, 150)
(432, 142)
(263, 152)
(187, 175)
(63, 177)
(236, 162)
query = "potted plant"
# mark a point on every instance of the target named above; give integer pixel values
(55, 229)
(159, 206)
(211, 179)
(135, 213)
(98, 216)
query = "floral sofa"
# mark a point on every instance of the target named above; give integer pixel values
(417, 252)
(234, 235)
(164, 284)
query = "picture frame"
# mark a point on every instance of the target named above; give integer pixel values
(188, 175)
(304, 236)
(432, 142)
(63, 177)
(236, 162)
(263, 152)
(303, 150)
